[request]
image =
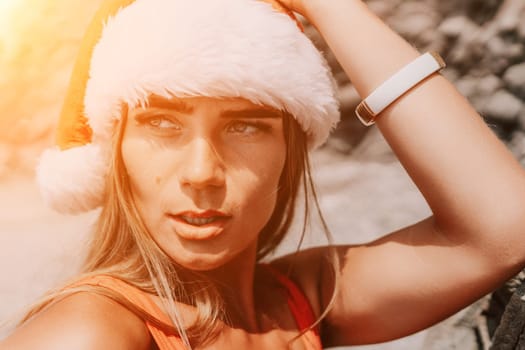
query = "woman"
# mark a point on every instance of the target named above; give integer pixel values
(197, 173)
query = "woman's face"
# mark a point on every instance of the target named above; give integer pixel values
(204, 174)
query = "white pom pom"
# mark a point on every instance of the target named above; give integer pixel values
(73, 181)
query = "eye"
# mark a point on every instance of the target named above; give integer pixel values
(248, 128)
(163, 123)
(159, 122)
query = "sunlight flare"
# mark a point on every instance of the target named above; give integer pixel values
(7, 8)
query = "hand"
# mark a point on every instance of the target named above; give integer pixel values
(306, 8)
(293, 5)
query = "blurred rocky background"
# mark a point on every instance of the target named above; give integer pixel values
(364, 191)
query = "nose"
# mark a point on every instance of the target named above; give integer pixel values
(202, 166)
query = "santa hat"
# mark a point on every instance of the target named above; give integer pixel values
(179, 48)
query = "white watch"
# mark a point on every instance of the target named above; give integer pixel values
(397, 85)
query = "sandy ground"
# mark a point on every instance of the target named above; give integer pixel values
(361, 200)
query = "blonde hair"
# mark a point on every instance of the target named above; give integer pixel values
(121, 246)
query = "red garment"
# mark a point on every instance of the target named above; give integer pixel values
(166, 339)
(301, 311)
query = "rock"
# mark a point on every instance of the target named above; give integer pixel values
(468, 86)
(349, 132)
(515, 51)
(413, 18)
(373, 147)
(521, 29)
(502, 106)
(488, 85)
(449, 8)
(456, 332)
(314, 35)
(381, 8)
(521, 120)
(474, 87)
(517, 144)
(437, 43)
(466, 52)
(497, 47)
(454, 27)
(414, 25)
(514, 77)
(510, 15)
(496, 65)
(339, 145)
(348, 97)
(341, 78)
(451, 74)
(482, 11)
(461, 56)
(332, 61)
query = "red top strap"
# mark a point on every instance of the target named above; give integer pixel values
(301, 310)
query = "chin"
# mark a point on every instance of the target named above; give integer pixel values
(202, 262)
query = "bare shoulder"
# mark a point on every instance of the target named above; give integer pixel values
(82, 321)
(309, 270)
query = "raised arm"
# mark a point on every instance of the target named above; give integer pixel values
(419, 275)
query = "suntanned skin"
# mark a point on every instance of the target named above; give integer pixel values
(394, 286)
(82, 321)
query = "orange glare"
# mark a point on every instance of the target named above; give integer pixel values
(6, 16)
(5, 8)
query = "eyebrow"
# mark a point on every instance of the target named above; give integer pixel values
(181, 106)
(175, 104)
(256, 113)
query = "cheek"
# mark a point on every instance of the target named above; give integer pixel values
(258, 184)
(135, 161)
(143, 170)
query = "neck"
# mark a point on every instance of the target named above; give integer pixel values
(235, 283)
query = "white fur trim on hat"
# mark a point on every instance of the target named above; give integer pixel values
(227, 48)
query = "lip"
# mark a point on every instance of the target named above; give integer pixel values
(203, 214)
(201, 232)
